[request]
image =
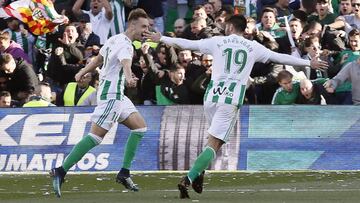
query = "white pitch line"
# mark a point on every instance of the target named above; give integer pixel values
(275, 190)
(211, 190)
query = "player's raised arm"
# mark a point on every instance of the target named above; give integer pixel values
(176, 42)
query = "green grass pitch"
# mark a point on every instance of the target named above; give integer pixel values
(273, 187)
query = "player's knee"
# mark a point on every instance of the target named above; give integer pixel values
(140, 131)
(97, 139)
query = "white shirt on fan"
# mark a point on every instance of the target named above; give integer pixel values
(100, 24)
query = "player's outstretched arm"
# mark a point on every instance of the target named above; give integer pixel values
(294, 61)
(176, 42)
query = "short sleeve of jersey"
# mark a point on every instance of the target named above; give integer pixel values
(125, 53)
(263, 54)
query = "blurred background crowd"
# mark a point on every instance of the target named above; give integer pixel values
(40, 70)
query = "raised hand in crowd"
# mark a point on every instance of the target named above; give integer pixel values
(145, 48)
(328, 87)
(65, 39)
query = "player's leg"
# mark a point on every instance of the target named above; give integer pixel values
(88, 142)
(99, 127)
(221, 117)
(195, 176)
(136, 123)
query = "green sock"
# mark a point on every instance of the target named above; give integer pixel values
(130, 148)
(79, 150)
(201, 163)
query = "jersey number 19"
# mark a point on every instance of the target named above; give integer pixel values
(236, 58)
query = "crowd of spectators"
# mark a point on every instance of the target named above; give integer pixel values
(40, 70)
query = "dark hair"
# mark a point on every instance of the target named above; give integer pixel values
(353, 33)
(5, 35)
(295, 19)
(268, 10)
(311, 25)
(5, 94)
(5, 59)
(238, 21)
(44, 83)
(176, 67)
(322, 1)
(284, 74)
(310, 40)
(198, 7)
(136, 14)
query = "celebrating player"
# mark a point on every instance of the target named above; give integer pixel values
(234, 57)
(113, 106)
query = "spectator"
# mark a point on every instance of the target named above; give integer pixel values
(282, 8)
(197, 26)
(296, 28)
(185, 58)
(269, 24)
(351, 72)
(308, 6)
(41, 96)
(199, 13)
(314, 94)
(87, 37)
(345, 7)
(164, 57)
(5, 99)
(251, 30)
(210, 11)
(313, 29)
(23, 78)
(172, 89)
(76, 92)
(100, 16)
(154, 9)
(11, 47)
(288, 91)
(217, 4)
(350, 21)
(179, 26)
(148, 75)
(21, 36)
(91, 100)
(312, 49)
(118, 9)
(353, 53)
(64, 62)
(323, 15)
(4, 79)
(195, 85)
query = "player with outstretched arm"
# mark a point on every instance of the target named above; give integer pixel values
(234, 57)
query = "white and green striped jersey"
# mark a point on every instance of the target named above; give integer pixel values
(234, 57)
(118, 9)
(112, 77)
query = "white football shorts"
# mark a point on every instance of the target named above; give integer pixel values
(108, 112)
(221, 118)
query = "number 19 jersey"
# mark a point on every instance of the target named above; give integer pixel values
(234, 58)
